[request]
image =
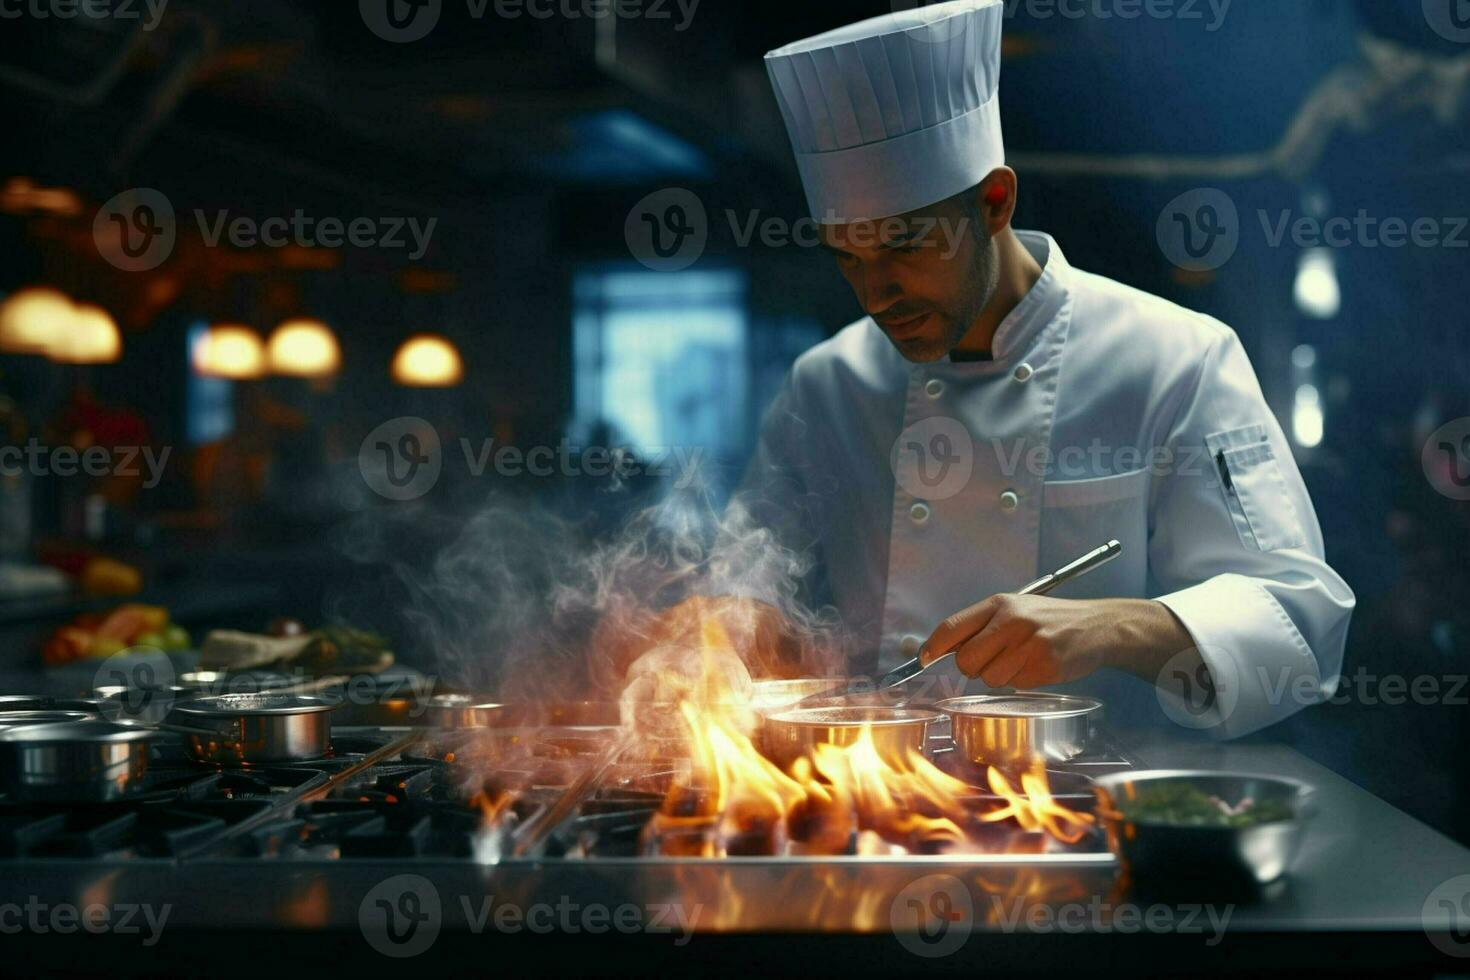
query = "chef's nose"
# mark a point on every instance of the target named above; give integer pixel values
(876, 289)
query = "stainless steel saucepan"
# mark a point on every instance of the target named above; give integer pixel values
(1012, 729)
(245, 729)
(77, 760)
(788, 735)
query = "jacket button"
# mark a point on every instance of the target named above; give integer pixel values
(1009, 501)
(934, 388)
(1023, 372)
(909, 645)
(919, 513)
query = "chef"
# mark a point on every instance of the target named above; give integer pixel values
(997, 413)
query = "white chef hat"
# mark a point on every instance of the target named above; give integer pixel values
(895, 113)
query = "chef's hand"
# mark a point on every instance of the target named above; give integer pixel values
(1028, 641)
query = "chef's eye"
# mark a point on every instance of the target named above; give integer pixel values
(904, 246)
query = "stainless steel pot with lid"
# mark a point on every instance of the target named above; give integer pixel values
(245, 729)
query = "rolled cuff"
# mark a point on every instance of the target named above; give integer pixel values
(1262, 666)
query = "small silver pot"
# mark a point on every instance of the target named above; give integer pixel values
(87, 760)
(462, 711)
(247, 729)
(788, 735)
(1013, 729)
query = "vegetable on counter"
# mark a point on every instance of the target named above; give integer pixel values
(1183, 805)
(106, 577)
(329, 650)
(103, 634)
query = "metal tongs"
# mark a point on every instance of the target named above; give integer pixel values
(1092, 560)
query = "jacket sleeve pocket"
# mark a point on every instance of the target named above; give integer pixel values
(1254, 490)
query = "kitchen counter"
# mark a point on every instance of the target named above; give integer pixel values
(1357, 899)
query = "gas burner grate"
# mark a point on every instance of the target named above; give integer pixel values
(118, 830)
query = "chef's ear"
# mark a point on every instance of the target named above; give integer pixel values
(995, 199)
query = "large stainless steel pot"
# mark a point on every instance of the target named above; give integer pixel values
(245, 729)
(896, 732)
(1013, 729)
(84, 760)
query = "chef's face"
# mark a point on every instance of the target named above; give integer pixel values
(923, 276)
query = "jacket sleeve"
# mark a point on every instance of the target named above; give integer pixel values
(1237, 550)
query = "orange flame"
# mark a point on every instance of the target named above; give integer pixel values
(732, 799)
(1033, 806)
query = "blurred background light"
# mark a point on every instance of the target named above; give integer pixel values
(1317, 292)
(304, 348)
(33, 319)
(1307, 419)
(90, 337)
(428, 361)
(230, 350)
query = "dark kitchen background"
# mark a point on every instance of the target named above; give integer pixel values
(527, 140)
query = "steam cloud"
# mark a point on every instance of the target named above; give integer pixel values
(526, 604)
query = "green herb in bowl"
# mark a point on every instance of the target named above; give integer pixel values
(1180, 804)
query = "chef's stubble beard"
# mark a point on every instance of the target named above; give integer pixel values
(985, 272)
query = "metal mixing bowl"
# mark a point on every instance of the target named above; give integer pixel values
(1254, 854)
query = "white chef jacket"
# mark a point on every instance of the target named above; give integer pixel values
(1106, 413)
